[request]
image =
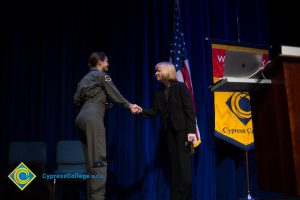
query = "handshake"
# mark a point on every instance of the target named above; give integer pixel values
(135, 109)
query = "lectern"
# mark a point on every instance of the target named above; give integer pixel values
(276, 123)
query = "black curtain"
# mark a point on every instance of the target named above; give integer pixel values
(44, 51)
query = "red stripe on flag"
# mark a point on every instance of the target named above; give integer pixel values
(187, 81)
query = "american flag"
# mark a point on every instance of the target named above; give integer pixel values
(180, 61)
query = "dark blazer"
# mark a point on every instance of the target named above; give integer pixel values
(179, 108)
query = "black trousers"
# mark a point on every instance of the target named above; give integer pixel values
(90, 126)
(181, 172)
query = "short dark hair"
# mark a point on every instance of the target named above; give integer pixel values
(95, 57)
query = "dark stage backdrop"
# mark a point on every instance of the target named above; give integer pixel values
(44, 51)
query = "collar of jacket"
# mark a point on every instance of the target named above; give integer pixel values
(94, 69)
(172, 82)
(162, 86)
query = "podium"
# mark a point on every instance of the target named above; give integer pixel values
(232, 84)
(236, 84)
(276, 123)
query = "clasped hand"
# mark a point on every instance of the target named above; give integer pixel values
(135, 109)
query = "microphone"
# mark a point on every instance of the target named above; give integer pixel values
(189, 144)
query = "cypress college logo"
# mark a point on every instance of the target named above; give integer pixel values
(239, 104)
(22, 176)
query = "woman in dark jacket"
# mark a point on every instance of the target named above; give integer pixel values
(174, 104)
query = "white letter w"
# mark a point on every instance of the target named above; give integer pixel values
(221, 58)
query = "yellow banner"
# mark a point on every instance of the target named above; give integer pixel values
(233, 120)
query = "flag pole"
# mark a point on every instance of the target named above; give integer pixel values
(249, 197)
(238, 21)
(247, 175)
(238, 29)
